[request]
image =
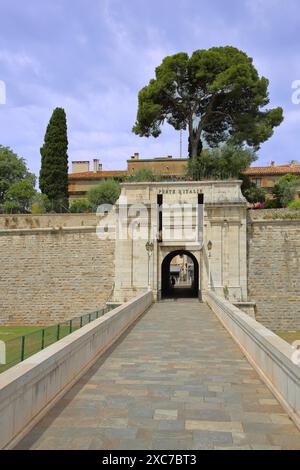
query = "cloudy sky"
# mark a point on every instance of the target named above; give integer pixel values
(93, 56)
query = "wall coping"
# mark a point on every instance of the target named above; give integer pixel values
(274, 221)
(269, 354)
(29, 389)
(48, 214)
(54, 230)
(184, 183)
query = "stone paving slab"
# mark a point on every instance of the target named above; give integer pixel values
(176, 381)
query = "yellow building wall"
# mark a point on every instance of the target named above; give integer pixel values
(176, 167)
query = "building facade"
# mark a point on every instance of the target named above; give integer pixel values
(83, 178)
(204, 221)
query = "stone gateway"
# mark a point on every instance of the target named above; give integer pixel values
(206, 221)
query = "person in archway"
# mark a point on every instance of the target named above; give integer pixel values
(173, 282)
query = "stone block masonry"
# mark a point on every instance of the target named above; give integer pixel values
(53, 268)
(274, 269)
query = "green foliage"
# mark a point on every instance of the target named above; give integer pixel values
(11, 207)
(220, 163)
(13, 170)
(226, 293)
(255, 194)
(106, 192)
(81, 205)
(251, 191)
(216, 94)
(294, 204)
(284, 190)
(144, 175)
(271, 204)
(22, 193)
(54, 168)
(40, 204)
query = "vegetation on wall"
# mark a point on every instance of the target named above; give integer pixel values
(216, 94)
(281, 215)
(54, 165)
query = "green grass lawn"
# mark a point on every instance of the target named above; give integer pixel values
(37, 337)
(34, 340)
(10, 332)
(289, 336)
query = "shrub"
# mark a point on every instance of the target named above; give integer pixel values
(80, 206)
(271, 204)
(294, 204)
(40, 204)
(106, 192)
(144, 175)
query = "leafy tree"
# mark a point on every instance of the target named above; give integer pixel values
(11, 207)
(216, 94)
(144, 175)
(81, 205)
(22, 193)
(54, 168)
(13, 169)
(220, 163)
(107, 192)
(284, 190)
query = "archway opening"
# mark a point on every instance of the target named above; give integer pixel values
(180, 275)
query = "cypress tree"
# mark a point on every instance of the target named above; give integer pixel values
(54, 168)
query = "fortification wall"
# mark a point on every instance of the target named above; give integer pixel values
(274, 267)
(53, 268)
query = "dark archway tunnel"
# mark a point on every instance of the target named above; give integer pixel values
(169, 289)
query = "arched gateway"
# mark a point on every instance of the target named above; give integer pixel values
(182, 281)
(184, 218)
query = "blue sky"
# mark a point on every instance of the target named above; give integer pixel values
(93, 56)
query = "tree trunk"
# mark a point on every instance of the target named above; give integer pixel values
(195, 145)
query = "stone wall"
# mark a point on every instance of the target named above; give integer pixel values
(30, 389)
(274, 268)
(53, 268)
(272, 357)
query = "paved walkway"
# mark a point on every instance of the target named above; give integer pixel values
(176, 381)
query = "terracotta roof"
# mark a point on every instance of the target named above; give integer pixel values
(272, 170)
(99, 174)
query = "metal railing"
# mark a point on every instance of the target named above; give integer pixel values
(20, 348)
